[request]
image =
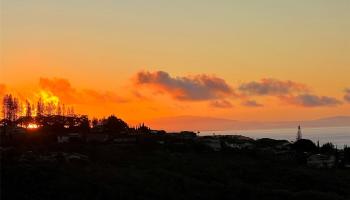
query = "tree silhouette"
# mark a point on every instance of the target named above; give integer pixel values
(59, 110)
(28, 109)
(327, 148)
(143, 129)
(94, 123)
(63, 110)
(70, 111)
(50, 108)
(10, 108)
(113, 125)
(304, 145)
(40, 107)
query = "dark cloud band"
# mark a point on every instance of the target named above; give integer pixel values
(271, 87)
(347, 95)
(190, 88)
(309, 100)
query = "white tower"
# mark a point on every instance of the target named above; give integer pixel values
(299, 135)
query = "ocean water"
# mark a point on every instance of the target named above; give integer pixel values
(339, 136)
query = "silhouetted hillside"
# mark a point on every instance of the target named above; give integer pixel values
(196, 123)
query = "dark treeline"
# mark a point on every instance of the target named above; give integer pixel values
(47, 152)
(52, 120)
(12, 108)
(49, 121)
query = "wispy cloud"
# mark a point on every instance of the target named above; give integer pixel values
(190, 88)
(251, 103)
(68, 94)
(269, 86)
(106, 96)
(309, 100)
(221, 104)
(60, 87)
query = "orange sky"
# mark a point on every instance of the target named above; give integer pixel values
(242, 60)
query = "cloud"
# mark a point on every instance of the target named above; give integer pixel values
(347, 95)
(190, 88)
(2, 89)
(309, 100)
(107, 96)
(62, 88)
(269, 86)
(252, 103)
(67, 94)
(221, 104)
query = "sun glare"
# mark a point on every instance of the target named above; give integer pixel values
(48, 97)
(32, 126)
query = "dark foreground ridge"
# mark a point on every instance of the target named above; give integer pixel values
(71, 157)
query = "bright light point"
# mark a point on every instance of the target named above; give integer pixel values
(32, 126)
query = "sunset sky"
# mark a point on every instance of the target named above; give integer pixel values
(235, 59)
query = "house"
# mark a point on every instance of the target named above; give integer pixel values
(63, 139)
(184, 135)
(232, 145)
(52, 157)
(70, 137)
(76, 158)
(213, 143)
(321, 161)
(283, 146)
(245, 145)
(284, 155)
(97, 137)
(188, 135)
(157, 132)
(125, 140)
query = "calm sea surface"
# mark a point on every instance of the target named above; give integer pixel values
(339, 136)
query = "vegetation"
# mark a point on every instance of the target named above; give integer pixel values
(136, 172)
(304, 145)
(140, 163)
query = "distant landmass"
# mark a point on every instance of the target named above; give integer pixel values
(196, 123)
